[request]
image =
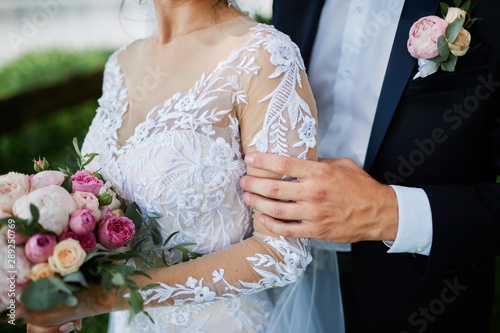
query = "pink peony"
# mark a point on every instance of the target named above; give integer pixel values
(54, 204)
(115, 232)
(12, 186)
(424, 35)
(87, 242)
(46, 178)
(40, 247)
(87, 200)
(82, 221)
(83, 181)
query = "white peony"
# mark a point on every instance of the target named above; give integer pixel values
(54, 203)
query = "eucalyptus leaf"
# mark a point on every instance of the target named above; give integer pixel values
(66, 171)
(170, 237)
(185, 255)
(129, 283)
(444, 8)
(35, 213)
(134, 213)
(89, 159)
(45, 294)
(164, 259)
(443, 48)
(69, 300)
(143, 274)
(466, 6)
(67, 184)
(136, 304)
(76, 277)
(97, 254)
(155, 233)
(118, 279)
(150, 286)
(106, 281)
(453, 29)
(471, 22)
(449, 66)
(77, 149)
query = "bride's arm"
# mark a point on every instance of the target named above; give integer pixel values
(278, 117)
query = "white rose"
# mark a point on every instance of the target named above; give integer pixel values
(12, 186)
(87, 200)
(115, 203)
(454, 13)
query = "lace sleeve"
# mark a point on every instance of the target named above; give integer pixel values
(278, 117)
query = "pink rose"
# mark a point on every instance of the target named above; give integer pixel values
(115, 232)
(46, 178)
(83, 181)
(87, 242)
(87, 200)
(12, 186)
(82, 221)
(40, 247)
(54, 204)
(424, 35)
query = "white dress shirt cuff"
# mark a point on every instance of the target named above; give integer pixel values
(415, 222)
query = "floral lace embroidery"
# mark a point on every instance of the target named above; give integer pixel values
(179, 164)
(296, 256)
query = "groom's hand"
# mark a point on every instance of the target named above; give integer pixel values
(335, 200)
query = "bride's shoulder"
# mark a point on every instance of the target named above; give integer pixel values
(276, 47)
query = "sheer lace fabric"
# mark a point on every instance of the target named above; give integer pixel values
(182, 158)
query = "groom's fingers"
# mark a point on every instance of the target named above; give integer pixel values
(283, 165)
(286, 229)
(272, 188)
(279, 209)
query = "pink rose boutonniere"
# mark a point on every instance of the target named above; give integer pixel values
(437, 43)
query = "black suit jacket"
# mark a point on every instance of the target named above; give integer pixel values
(442, 134)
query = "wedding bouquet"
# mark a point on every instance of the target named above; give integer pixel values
(62, 230)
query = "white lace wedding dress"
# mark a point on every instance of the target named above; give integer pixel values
(192, 112)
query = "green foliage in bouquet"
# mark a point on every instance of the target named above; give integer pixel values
(104, 267)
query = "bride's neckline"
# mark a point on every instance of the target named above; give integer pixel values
(220, 26)
(122, 145)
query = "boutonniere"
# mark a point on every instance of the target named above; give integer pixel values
(437, 43)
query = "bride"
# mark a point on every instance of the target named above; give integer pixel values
(179, 112)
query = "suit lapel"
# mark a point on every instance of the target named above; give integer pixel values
(398, 72)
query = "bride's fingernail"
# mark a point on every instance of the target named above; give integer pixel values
(249, 159)
(65, 327)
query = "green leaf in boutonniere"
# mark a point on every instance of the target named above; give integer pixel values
(466, 6)
(453, 29)
(449, 65)
(444, 8)
(444, 50)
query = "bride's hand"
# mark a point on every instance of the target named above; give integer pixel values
(31, 328)
(91, 302)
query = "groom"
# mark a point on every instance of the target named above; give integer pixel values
(436, 138)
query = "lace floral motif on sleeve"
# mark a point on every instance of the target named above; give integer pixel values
(286, 108)
(275, 273)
